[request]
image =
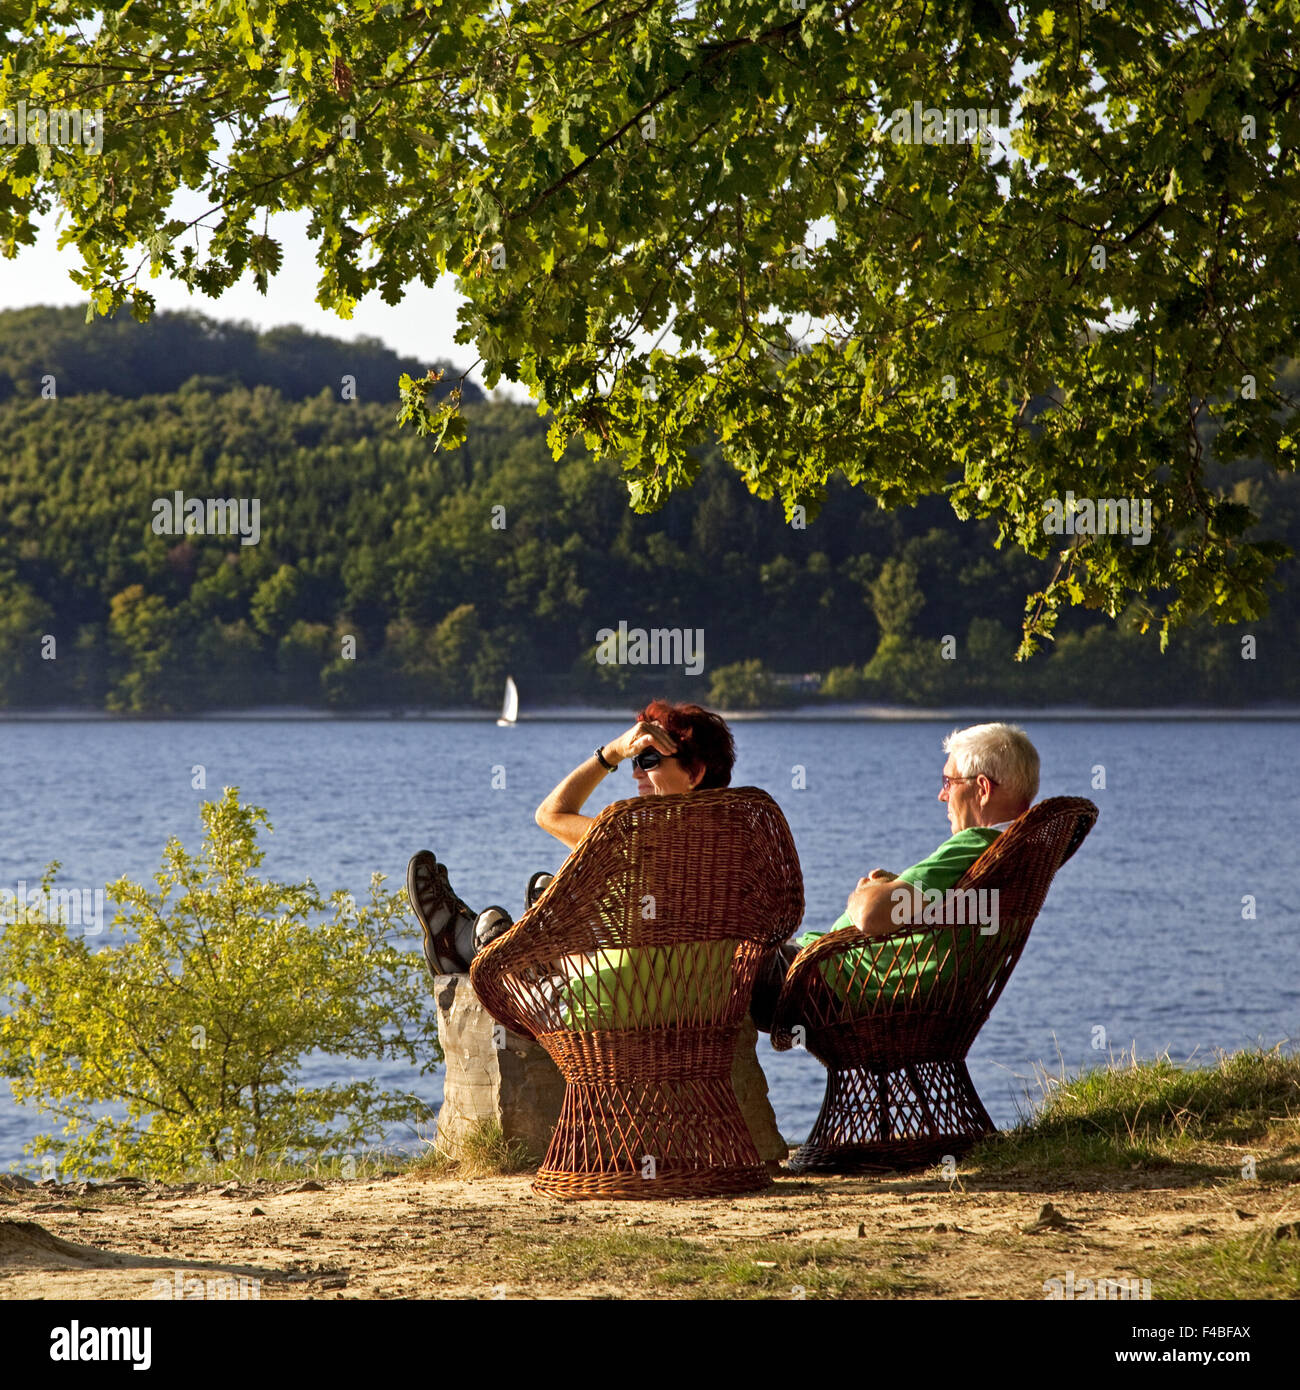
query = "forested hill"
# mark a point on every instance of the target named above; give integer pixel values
(379, 573)
(125, 358)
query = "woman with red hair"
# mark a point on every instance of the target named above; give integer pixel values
(672, 748)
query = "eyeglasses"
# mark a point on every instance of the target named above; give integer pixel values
(649, 758)
(948, 781)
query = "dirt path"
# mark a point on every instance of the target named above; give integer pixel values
(406, 1236)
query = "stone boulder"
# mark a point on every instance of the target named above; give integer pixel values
(516, 1084)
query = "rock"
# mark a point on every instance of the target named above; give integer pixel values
(750, 1084)
(311, 1185)
(1049, 1219)
(516, 1085)
(15, 1182)
(257, 1211)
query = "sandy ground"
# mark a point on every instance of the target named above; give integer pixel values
(404, 1236)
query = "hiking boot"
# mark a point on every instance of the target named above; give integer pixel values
(491, 923)
(537, 885)
(446, 921)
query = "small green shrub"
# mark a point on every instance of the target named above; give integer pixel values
(199, 1017)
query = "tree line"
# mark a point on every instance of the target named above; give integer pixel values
(387, 574)
(45, 351)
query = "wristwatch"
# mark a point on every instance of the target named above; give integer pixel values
(600, 758)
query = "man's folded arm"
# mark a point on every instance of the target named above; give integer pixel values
(880, 906)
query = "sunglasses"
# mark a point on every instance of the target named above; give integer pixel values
(948, 781)
(650, 758)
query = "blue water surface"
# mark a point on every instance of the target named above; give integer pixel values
(1142, 936)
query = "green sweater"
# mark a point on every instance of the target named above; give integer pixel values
(939, 871)
(924, 957)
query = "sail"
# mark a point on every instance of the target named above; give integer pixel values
(510, 708)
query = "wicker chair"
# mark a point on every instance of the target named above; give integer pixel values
(892, 1018)
(634, 971)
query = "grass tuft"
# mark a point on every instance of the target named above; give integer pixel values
(277, 1168)
(1257, 1266)
(1156, 1114)
(483, 1152)
(674, 1267)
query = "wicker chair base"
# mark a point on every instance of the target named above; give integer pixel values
(652, 1137)
(875, 1120)
(899, 1157)
(707, 1182)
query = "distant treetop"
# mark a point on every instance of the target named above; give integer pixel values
(125, 358)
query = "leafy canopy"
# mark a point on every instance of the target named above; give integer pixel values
(920, 317)
(198, 1021)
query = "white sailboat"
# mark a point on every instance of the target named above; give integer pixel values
(510, 706)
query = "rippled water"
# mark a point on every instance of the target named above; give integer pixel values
(1142, 934)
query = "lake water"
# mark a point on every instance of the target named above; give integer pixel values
(1142, 934)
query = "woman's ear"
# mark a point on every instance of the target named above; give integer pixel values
(698, 777)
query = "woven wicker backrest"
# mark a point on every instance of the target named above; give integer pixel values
(658, 918)
(928, 989)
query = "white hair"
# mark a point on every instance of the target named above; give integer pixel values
(1002, 752)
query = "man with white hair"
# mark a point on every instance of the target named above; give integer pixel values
(989, 780)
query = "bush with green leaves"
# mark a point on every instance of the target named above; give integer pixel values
(197, 1013)
(746, 685)
(843, 683)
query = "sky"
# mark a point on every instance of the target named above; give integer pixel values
(423, 325)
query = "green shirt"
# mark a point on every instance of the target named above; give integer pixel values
(903, 962)
(944, 868)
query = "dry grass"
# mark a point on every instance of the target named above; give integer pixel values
(1222, 1120)
(484, 1152)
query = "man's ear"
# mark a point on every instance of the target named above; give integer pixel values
(697, 777)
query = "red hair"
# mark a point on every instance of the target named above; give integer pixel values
(701, 736)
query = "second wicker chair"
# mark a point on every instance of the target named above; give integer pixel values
(893, 1017)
